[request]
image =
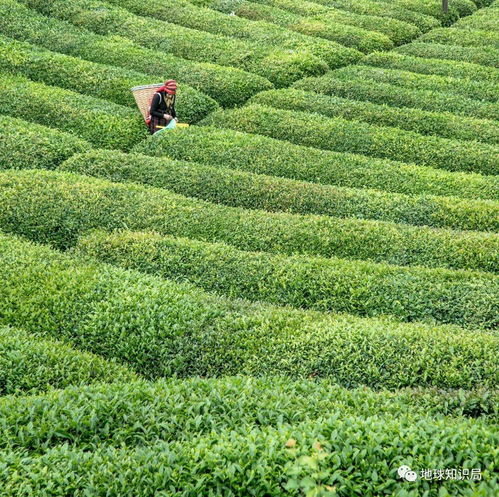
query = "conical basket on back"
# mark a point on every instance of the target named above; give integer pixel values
(143, 95)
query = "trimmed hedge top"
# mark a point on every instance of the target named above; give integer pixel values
(354, 136)
(253, 191)
(57, 207)
(102, 123)
(409, 294)
(25, 145)
(226, 85)
(97, 80)
(443, 124)
(160, 328)
(260, 154)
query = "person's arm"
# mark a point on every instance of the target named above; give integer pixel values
(155, 111)
(174, 112)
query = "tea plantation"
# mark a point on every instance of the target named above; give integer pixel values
(296, 295)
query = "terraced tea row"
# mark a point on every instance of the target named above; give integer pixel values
(97, 80)
(342, 449)
(344, 135)
(57, 207)
(159, 327)
(259, 154)
(228, 86)
(279, 66)
(465, 298)
(102, 123)
(30, 364)
(443, 124)
(146, 412)
(252, 191)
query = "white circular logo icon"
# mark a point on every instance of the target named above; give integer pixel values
(406, 473)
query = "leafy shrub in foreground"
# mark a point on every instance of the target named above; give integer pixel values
(479, 90)
(442, 124)
(30, 365)
(398, 96)
(314, 456)
(226, 85)
(343, 135)
(160, 328)
(25, 145)
(463, 38)
(466, 70)
(279, 66)
(97, 80)
(100, 122)
(485, 56)
(252, 191)
(57, 207)
(361, 288)
(148, 412)
(259, 154)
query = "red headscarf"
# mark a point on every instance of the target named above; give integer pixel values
(169, 87)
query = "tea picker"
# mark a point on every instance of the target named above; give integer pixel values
(157, 105)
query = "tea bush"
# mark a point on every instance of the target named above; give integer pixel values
(30, 365)
(463, 37)
(279, 66)
(160, 328)
(485, 91)
(442, 124)
(252, 191)
(360, 288)
(259, 154)
(398, 96)
(100, 122)
(289, 459)
(185, 14)
(97, 80)
(454, 69)
(343, 135)
(147, 412)
(485, 56)
(57, 207)
(25, 145)
(226, 85)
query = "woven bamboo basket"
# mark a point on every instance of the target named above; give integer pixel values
(143, 95)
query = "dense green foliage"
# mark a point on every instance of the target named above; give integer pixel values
(25, 145)
(252, 191)
(159, 327)
(255, 153)
(442, 124)
(467, 70)
(332, 452)
(463, 38)
(30, 365)
(226, 85)
(97, 80)
(183, 13)
(365, 289)
(102, 123)
(279, 66)
(480, 90)
(149, 412)
(398, 96)
(344, 135)
(485, 56)
(397, 31)
(57, 207)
